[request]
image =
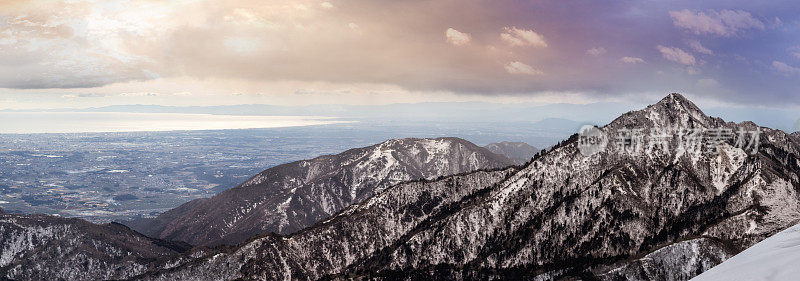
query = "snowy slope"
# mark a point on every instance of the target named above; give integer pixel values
(289, 197)
(42, 247)
(776, 258)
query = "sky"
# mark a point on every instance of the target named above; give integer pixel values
(193, 52)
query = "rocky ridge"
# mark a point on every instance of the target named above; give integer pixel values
(613, 215)
(289, 197)
(43, 247)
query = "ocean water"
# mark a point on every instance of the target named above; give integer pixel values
(88, 122)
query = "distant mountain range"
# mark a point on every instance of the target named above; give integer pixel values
(289, 197)
(625, 212)
(519, 152)
(409, 112)
(456, 112)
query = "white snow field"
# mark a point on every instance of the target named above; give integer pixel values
(776, 258)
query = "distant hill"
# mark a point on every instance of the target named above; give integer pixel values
(519, 152)
(289, 197)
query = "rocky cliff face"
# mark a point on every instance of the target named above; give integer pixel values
(289, 197)
(618, 214)
(520, 152)
(41, 247)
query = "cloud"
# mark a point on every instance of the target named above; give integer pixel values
(795, 51)
(522, 37)
(785, 68)
(722, 23)
(631, 60)
(242, 45)
(677, 55)
(596, 51)
(456, 37)
(58, 44)
(103, 46)
(707, 83)
(700, 48)
(516, 67)
(326, 5)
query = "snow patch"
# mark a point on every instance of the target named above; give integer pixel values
(725, 164)
(775, 258)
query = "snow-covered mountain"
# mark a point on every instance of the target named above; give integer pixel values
(42, 247)
(520, 152)
(776, 259)
(666, 213)
(628, 212)
(289, 197)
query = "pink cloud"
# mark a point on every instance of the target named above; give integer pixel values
(631, 60)
(522, 37)
(516, 67)
(456, 37)
(677, 55)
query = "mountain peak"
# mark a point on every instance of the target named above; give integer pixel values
(675, 96)
(672, 110)
(676, 100)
